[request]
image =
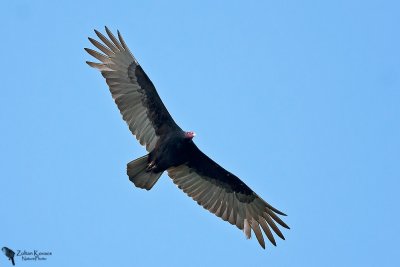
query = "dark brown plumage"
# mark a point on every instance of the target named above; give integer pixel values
(171, 149)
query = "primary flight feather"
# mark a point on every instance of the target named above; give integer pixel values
(171, 149)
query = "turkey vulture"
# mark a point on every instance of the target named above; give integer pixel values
(171, 149)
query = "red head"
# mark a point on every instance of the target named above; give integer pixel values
(190, 135)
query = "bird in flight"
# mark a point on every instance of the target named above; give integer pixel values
(171, 149)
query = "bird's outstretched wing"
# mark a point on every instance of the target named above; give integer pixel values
(225, 195)
(131, 89)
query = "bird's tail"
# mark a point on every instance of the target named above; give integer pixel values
(140, 174)
(12, 261)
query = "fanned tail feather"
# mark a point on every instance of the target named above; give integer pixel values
(140, 175)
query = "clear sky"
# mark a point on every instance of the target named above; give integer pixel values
(300, 99)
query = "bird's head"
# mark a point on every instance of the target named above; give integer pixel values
(190, 135)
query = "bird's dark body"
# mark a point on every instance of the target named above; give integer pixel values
(174, 150)
(171, 149)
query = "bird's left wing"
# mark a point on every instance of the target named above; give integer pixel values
(225, 195)
(132, 90)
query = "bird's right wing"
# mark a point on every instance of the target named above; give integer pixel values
(132, 90)
(225, 195)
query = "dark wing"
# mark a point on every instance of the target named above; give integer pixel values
(133, 92)
(225, 195)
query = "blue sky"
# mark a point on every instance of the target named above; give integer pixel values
(301, 99)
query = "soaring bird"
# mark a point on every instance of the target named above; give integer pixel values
(171, 149)
(9, 254)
